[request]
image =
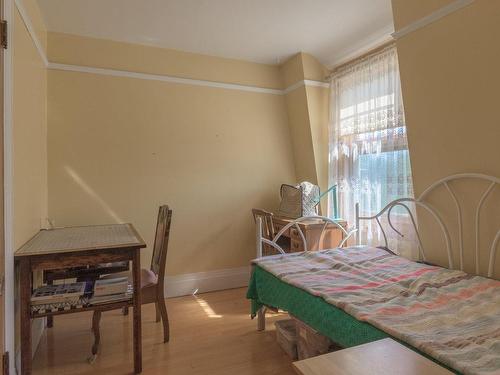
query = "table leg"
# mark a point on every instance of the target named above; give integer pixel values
(24, 301)
(50, 319)
(136, 271)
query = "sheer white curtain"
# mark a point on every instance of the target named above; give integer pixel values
(369, 159)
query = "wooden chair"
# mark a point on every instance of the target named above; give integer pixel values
(152, 280)
(268, 229)
(267, 222)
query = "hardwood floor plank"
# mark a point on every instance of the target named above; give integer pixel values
(210, 334)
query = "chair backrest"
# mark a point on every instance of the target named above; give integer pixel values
(267, 222)
(160, 247)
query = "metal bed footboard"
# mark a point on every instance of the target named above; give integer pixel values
(421, 201)
(260, 241)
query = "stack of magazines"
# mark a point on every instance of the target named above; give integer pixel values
(58, 295)
(111, 290)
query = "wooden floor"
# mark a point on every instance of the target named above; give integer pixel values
(210, 334)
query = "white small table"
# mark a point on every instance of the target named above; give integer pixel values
(383, 357)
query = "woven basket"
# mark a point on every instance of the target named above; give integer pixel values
(300, 200)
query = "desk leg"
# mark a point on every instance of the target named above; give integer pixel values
(50, 319)
(136, 270)
(24, 300)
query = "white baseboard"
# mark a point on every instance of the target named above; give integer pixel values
(201, 282)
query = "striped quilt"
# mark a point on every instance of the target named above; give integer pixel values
(450, 315)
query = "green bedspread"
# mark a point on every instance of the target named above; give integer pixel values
(342, 328)
(331, 321)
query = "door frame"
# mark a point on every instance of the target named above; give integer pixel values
(9, 297)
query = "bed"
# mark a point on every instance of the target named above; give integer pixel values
(302, 284)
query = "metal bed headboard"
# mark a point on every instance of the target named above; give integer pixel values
(273, 243)
(420, 202)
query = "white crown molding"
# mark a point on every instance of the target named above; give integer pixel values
(148, 76)
(31, 30)
(162, 78)
(305, 82)
(201, 282)
(308, 82)
(296, 85)
(431, 18)
(182, 81)
(377, 38)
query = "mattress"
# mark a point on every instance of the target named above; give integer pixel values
(265, 289)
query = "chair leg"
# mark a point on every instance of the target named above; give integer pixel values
(96, 319)
(158, 314)
(261, 319)
(164, 317)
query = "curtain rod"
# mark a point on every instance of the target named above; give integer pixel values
(360, 57)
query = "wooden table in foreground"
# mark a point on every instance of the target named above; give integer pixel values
(72, 247)
(383, 357)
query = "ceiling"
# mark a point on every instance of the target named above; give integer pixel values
(265, 31)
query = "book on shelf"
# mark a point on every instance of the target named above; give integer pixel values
(110, 298)
(104, 287)
(51, 294)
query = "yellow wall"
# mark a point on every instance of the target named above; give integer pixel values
(29, 139)
(307, 108)
(450, 80)
(318, 106)
(29, 136)
(32, 10)
(406, 12)
(285, 138)
(119, 147)
(298, 121)
(292, 70)
(313, 69)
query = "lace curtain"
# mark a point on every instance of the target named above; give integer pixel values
(368, 153)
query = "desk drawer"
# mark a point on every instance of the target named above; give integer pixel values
(295, 234)
(296, 245)
(279, 226)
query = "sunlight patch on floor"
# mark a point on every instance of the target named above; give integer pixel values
(206, 307)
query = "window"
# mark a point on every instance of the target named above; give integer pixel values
(369, 159)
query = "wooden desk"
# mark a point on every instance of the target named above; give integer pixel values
(312, 231)
(78, 246)
(383, 357)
